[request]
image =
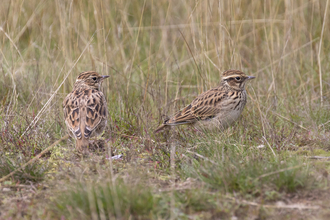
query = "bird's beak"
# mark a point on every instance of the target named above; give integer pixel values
(104, 77)
(251, 77)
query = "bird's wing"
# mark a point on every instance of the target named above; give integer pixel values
(96, 111)
(204, 107)
(72, 114)
(84, 109)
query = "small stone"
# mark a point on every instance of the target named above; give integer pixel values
(260, 146)
(116, 157)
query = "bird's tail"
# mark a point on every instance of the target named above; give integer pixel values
(82, 145)
(160, 128)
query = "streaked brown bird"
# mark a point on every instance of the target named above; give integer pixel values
(217, 107)
(85, 109)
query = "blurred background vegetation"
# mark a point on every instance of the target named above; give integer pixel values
(160, 55)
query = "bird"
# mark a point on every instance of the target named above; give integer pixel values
(85, 109)
(216, 108)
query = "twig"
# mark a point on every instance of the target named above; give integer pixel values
(135, 47)
(181, 26)
(172, 163)
(15, 186)
(285, 55)
(192, 55)
(13, 43)
(319, 54)
(318, 157)
(201, 156)
(300, 126)
(269, 146)
(35, 158)
(278, 171)
(174, 189)
(279, 206)
(285, 118)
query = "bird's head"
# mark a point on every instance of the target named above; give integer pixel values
(90, 79)
(236, 79)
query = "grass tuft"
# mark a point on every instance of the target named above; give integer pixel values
(34, 172)
(106, 200)
(234, 168)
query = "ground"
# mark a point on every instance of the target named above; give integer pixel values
(273, 163)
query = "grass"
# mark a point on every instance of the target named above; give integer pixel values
(34, 172)
(124, 200)
(160, 55)
(106, 200)
(251, 172)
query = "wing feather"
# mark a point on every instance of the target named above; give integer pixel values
(96, 111)
(72, 115)
(84, 110)
(204, 107)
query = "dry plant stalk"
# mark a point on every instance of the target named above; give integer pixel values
(319, 54)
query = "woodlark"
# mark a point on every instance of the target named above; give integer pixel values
(85, 109)
(217, 107)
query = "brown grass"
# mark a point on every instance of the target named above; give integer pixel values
(160, 55)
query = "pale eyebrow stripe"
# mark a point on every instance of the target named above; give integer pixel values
(231, 76)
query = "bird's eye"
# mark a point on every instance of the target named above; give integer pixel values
(238, 78)
(94, 78)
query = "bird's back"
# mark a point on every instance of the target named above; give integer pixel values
(85, 112)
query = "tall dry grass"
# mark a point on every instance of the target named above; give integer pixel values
(160, 55)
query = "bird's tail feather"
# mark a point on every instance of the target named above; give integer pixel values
(82, 145)
(160, 128)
